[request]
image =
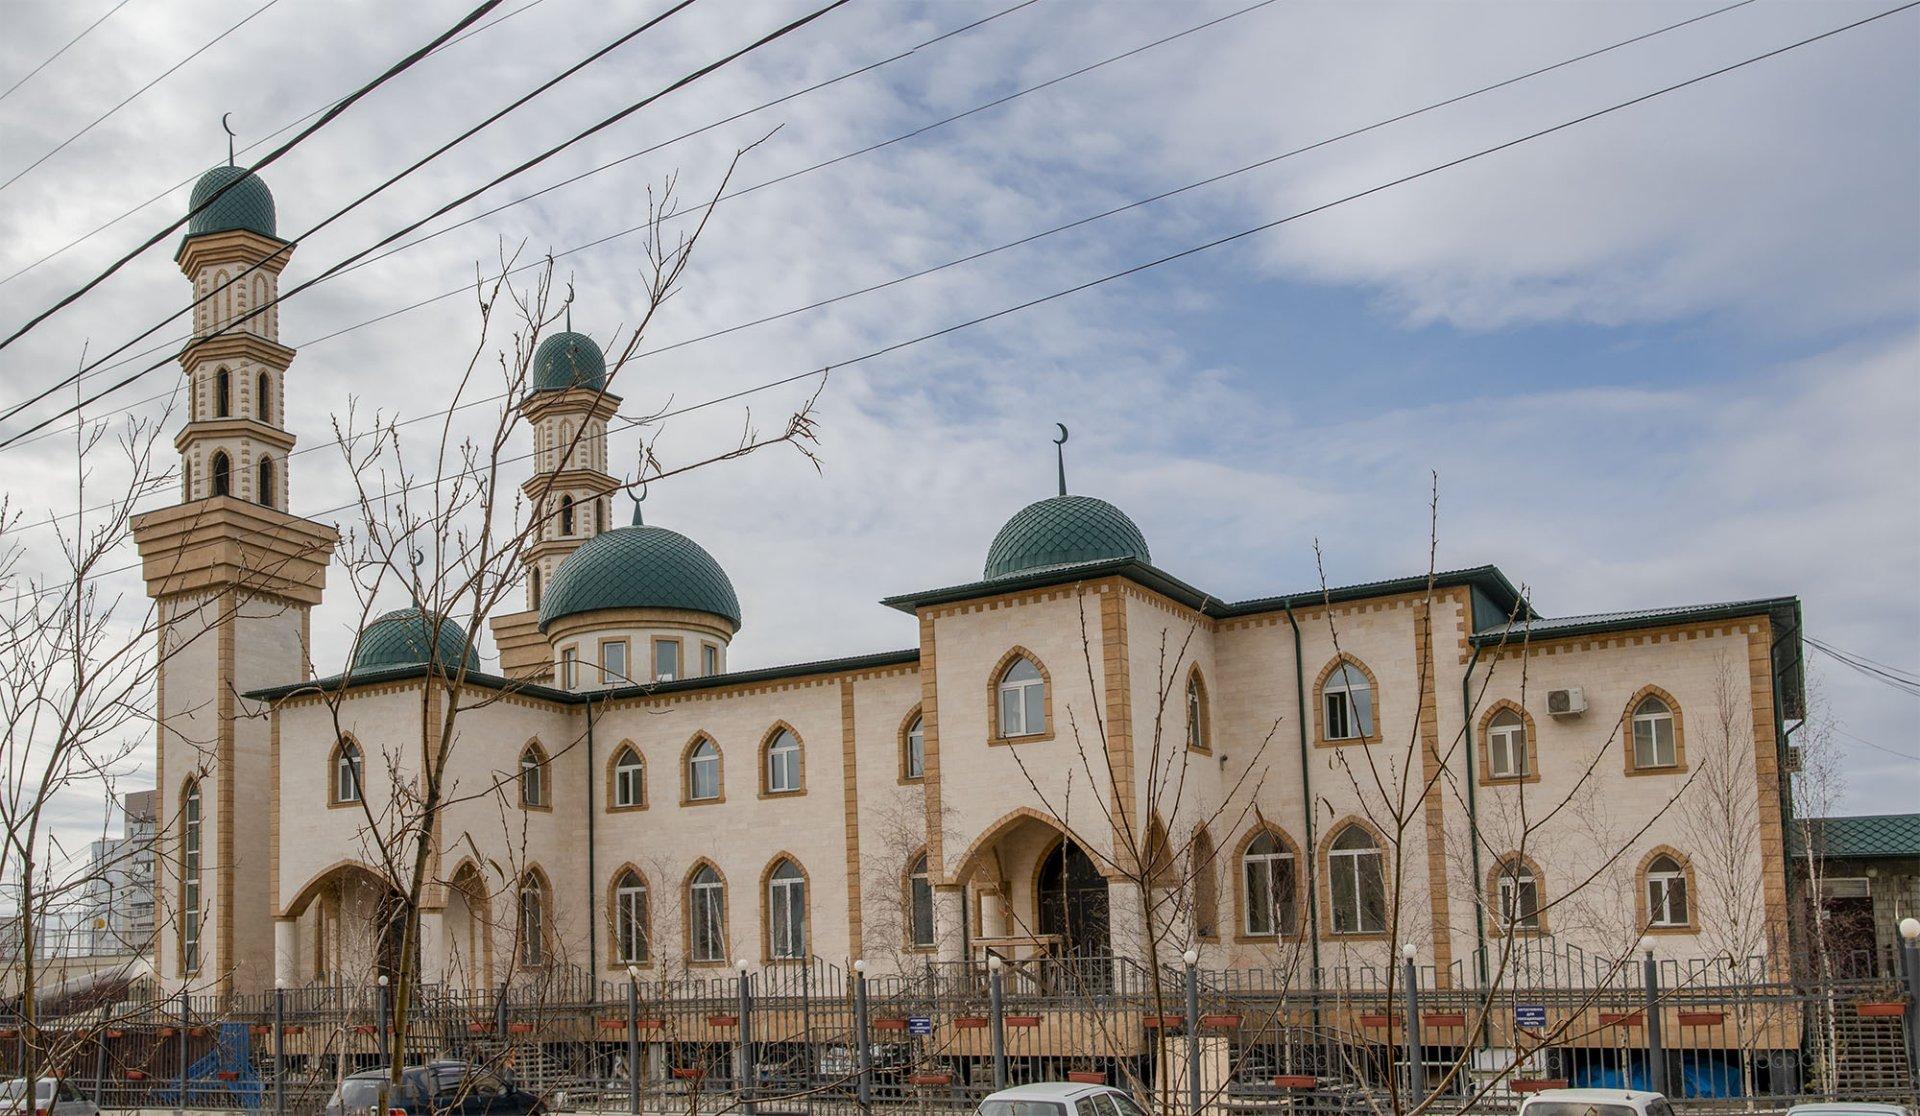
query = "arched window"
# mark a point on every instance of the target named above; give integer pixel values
(222, 394)
(186, 480)
(703, 771)
(1206, 886)
(533, 587)
(919, 904)
(629, 779)
(1023, 699)
(1668, 904)
(1199, 719)
(631, 927)
(190, 878)
(782, 772)
(346, 772)
(1507, 745)
(1346, 703)
(1357, 883)
(913, 749)
(263, 482)
(1655, 743)
(222, 470)
(566, 515)
(532, 927)
(786, 912)
(1516, 892)
(263, 398)
(1272, 886)
(706, 915)
(533, 778)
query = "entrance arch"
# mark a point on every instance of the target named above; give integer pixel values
(353, 923)
(1071, 896)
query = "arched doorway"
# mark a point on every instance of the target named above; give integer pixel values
(1071, 895)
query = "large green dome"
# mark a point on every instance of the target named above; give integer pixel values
(639, 567)
(1063, 530)
(402, 637)
(569, 360)
(248, 205)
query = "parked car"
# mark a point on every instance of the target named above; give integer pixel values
(57, 1097)
(1595, 1102)
(1060, 1098)
(437, 1087)
(1845, 1108)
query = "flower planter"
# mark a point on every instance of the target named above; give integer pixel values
(970, 1022)
(1296, 1081)
(136, 1075)
(116, 1034)
(365, 1029)
(1887, 1009)
(200, 1032)
(1087, 1077)
(929, 1079)
(1376, 1021)
(1444, 1018)
(647, 1023)
(1702, 1018)
(477, 1028)
(519, 1028)
(689, 1073)
(293, 1029)
(164, 1032)
(9, 1035)
(1164, 1022)
(1221, 1021)
(723, 1021)
(889, 1024)
(228, 1075)
(260, 1029)
(1622, 1019)
(613, 1024)
(1536, 1084)
(1022, 1021)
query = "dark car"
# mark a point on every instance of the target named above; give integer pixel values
(438, 1087)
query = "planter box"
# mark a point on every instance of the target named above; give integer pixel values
(1296, 1081)
(1163, 1022)
(261, 1029)
(970, 1022)
(1222, 1021)
(164, 1032)
(1444, 1018)
(519, 1028)
(365, 1029)
(1536, 1084)
(293, 1029)
(1702, 1018)
(1087, 1077)
(889, 1024)
(1889, 1009)
(116, 1034)
(479, 1028)
(200, 1032)
(1622, 1019)
(9, 1035)
(647, 1023)
(689, 1073)
(1376, 1021)
(228, 1075)
(723, 1021)
(928, 1079)
(613, 1024)
(136, 1075)
(1022, 1021)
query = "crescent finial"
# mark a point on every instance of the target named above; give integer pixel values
(1060, 454)
(227, 128)
(1062, 439)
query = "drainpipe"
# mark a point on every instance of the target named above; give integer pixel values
(1473, 822)
(593, 872)
(1306, 789)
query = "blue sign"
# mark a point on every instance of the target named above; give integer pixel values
(919, 1024)
(1530, 1017)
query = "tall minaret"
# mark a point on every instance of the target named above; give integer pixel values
(570, 491)
(233, 576)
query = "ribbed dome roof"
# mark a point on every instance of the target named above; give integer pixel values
(248, 205)
(402, 638)
(569, 360)
(1063, 530)
(639, 567)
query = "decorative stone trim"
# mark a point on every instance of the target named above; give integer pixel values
(1485, 746)
(686, 772)
(1200, 743)
(1240, 911)
(900, 741)
(686, 915)
(1692, 925)
(997, 738)
(1320, 705)
(1326, 882)
(1497, 925)
(613, 766)
(614, 960)
(1679, 765)
(766, 747)
(766, 910)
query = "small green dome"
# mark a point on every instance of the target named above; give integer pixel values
(401, 638)
(248, 205)
(1063, 530)
(639, 567)
(569, 360)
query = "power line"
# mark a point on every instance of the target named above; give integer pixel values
(98, 120)
(268, 138)
(56, 54)
(1871, 673)
(325, 119)
(1184, 253)
(1908, 672)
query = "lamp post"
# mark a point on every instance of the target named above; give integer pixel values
(1192, 960)
(997, 1017)
(745, 1034)
(380, 1019)
(279, 1046)
(863, 1056)
(1416, 1069)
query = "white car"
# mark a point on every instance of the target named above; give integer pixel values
(55, 1097)
(1845, 1108)
(1595, 1102)
(1060, 1098)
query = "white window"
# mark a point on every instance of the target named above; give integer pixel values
(709, 659)
(630, 919)
(346, 773)
(920, 904)
(629, 779)
(1667, 893)
(707, 909)
(783, 763)
(613, 663)
(1653, 734)
(533, 924)
(533, 777)
(1268, 871)
(703, 771)
(190, 879)
(1023, 700)
(569, 667)
(787, 911)
(1357, 883)
(1507, 745)
(1347, 704)
(913, 763)
(666, 660)
(1519, 897)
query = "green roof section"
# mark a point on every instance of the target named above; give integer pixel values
(1865, 836)
(639, 567)
(408, 637)
(569, 360)
(247, 204)
(1517, 630)
(1062, 531)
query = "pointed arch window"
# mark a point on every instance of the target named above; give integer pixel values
(533, 778)
(786, 912)
(1199, 719)
(1357, 883)
(913, 749)
(1023, 699)
(783, 771)
(222, 394)
(263, 397)
(703, 771)
(1517, 893)
(186, 480)
(1206, 887)
(532, 926)
(533, 587)
(347, 764)
(629, 779)
(919, 904)
(1669, 905)
(706, 916)
(263, 482)
(1272, 886)
(1507, 745)
(631, 927)
(566, 515)
(190, 834)
(1346, 703)
(1655, 743)
(222, 474)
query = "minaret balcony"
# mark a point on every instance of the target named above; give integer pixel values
(234, 346)
(224, 429)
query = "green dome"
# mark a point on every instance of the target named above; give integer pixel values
(401, 638)
(569, 360)
(639, 567)
(249, 205)
(1063, 530)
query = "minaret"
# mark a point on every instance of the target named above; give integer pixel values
(570, 491)
(233, 576)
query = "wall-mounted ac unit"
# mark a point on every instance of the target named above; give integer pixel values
(1570, 702)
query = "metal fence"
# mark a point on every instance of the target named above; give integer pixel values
(815, 1037)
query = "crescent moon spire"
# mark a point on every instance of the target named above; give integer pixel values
(227, 128)
(1060, 455)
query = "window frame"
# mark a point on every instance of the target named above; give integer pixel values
(687, 760)
(772, 743)
(530, 934)
(679, 658)
(913, 726)
(192, 857)
(997, 686)
(1351, 711)
(569, 666)
(1286, 919)
(1529, 739)
(918, 880)
(1353, 858)
(1199, 713)
(709, 659)
(344, 748)
(1681, 874)
(779, 893)
(533, 776)
(617, 776)
(610, 675)
(1511, 873)
(697, 895)
(1630, 719)
(630, 904)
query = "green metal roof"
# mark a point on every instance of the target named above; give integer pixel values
(247, 205)
(1063, 530)
(403, 637)
(1541, 628)
(639, 567)
(569, 360)
(1865, 836)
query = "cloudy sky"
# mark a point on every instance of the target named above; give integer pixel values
(1667, 356)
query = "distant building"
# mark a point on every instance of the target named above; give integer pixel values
(116, 914)
(1869, 879)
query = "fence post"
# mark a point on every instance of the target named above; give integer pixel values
(863, 1041)
(997, 1018)
(500, 1013)
(1192, 958)
(180, 1105)
(279, 1047)
(1416, 1063)
(633, 1039)
(745, 1035)
(1910, 961)
(380, 1020)
(1656, 1051)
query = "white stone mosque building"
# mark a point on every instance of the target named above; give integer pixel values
(657, 808)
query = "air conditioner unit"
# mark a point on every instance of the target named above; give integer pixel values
(1793, 759)
(1570, 702)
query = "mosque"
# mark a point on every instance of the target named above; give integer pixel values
(1076, 729)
